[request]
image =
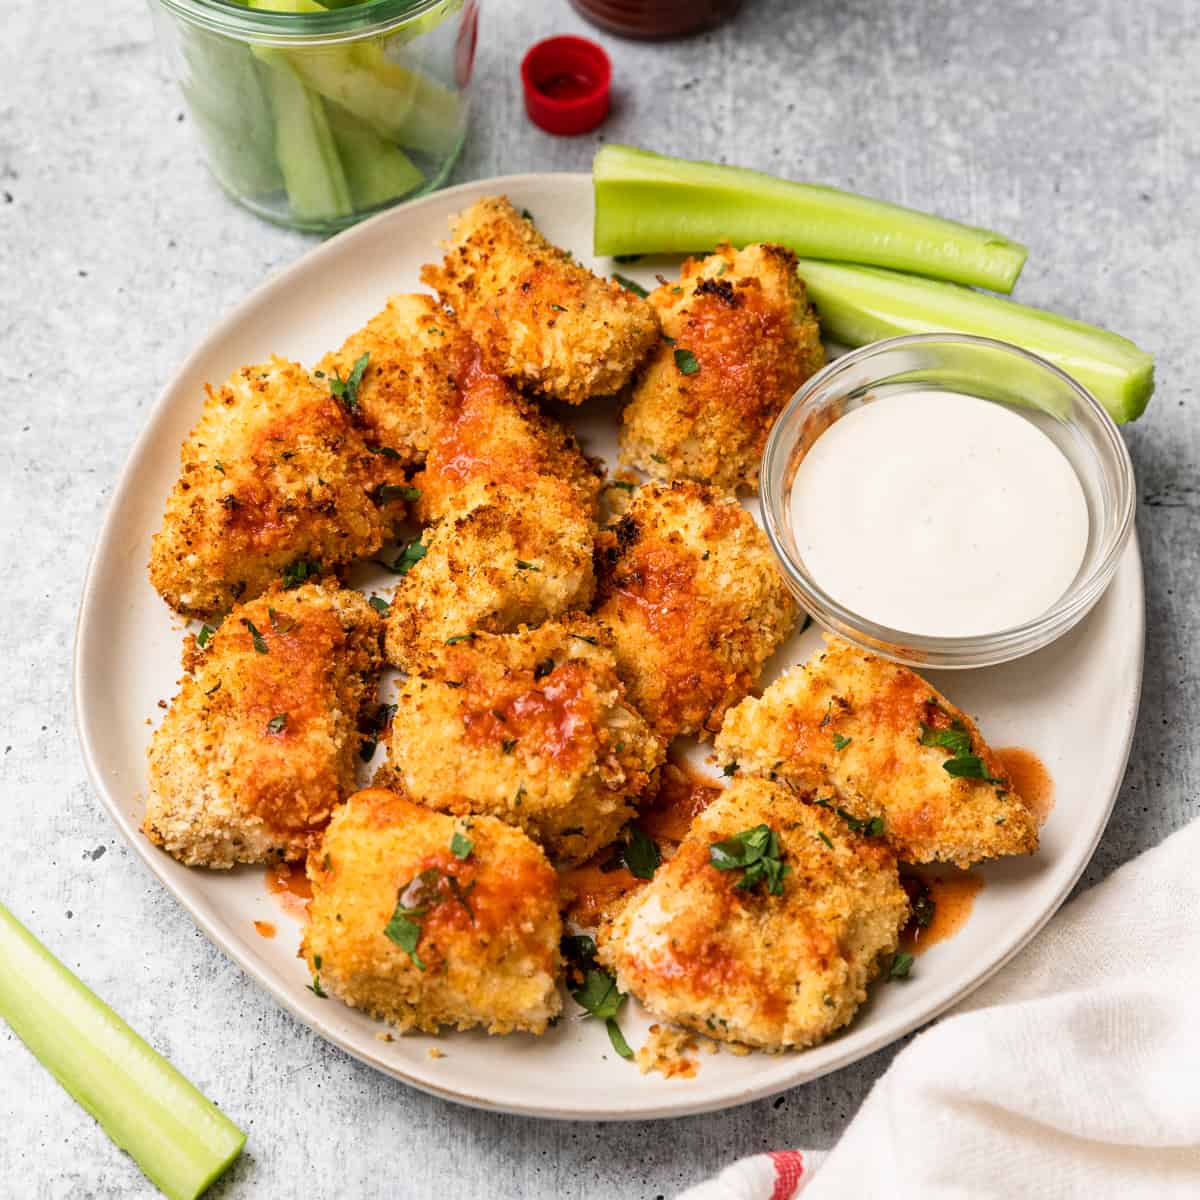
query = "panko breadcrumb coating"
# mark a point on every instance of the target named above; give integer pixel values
(696, 605)
(272, 476)
(482, 929)
(513, 560)
(553, 326)
(744, 338)
(743, 965)
(533, 728)
(491, 436)
(406, 385)
(851, 722)
(260, 744)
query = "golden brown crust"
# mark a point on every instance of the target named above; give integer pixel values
(407, 384)
(260, 745)
(689, 588)
(513, 560)
(773, 971)
(273, 474)
(488, 943)
(533, 728)
(744, 316)
(874, 710)
(553, 326)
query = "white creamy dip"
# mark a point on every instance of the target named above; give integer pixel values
(939, 514)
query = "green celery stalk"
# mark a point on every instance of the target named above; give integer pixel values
(858, 305)
(304, 146)
(377, 171)
(181, 1141)
(651, 203)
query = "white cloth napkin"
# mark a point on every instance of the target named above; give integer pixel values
(1075, 1072)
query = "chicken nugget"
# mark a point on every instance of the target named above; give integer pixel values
(406, 382)
(531, 727)
(259, 746)
(275, 482)
(510, 561)
(490, 436)
(767, 925)
(890, 746)
(696, 605)
(428, 921)
(743, 338)
(553, 326)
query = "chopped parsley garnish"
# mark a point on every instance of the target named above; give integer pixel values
(527, 214)
(278, 723)
(543, 668)
(583, 637)
(380, 605)
(631, 285)
(522, 565)
(204, 636)
(220, 466)
(415, 899)
(346, 390)
(901, 966)
(924, 909)
(296, 573)
(558, 308)
(280, 624)
(405, 560)
(316, 989)
(658, 458)
(825, 838)
(212, 691)
(387, 493)
(840, 743)
(756, 853)
(686, 362)
(260, 645)
(508, 745)
(461, 637)
(731, 769)
(641, 855)
(372, 728)
(386, 451)
(961, 764)
(624, 484)
(461, 845)
(871, 827)
(593, 988)
(722, 267)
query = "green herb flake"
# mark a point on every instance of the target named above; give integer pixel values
(212, 691)
(825, 838)
(840, 743)
(316, 989)
(414, 900)
(543, 668)
(522, 565)
(260, 645)
(583, 637)
(346, 390)
(405, 560)
(461, 637)
(527, 214)
(619, 1044)
(901, 966)
(731, 769)
(220, 466)
(280, 624)
(558, 308)
(508, 745)
(387, 452)
(460, 845)
(631, 285)
(623, 484)
(756, 853)
(296, 573)
(956, 739)
(389, 493)
(278, 723)
(380, 605)
(685, 362)
(641, 856)
(204, 636)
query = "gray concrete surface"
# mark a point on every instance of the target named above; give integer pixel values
(1071, 125)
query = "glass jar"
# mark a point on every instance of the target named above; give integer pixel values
(315, 115)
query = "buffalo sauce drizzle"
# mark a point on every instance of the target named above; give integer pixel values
(288, 883)
(1029, 778)
(952, 894)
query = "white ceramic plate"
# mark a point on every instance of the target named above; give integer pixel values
(1074, 704)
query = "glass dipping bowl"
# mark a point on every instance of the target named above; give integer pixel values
(974, 366)
(315, 116)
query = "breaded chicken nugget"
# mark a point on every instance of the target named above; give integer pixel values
(890, 746)
(532, 727)
(274, 477)
(689, 588)
(513, 560)
(407, 382)
(259, 745)
(553, 326)
(426, 921)
(775, 946)
(489, 436)
(744, 338)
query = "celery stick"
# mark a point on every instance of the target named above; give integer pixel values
(648, 203)
(181, 1141)
(312, 172)
(377, 171)
(858, 305)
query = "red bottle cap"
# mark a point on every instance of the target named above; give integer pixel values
(566, 81)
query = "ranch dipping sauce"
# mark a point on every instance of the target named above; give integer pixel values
(939, 514)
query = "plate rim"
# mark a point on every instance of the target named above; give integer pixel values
(266, 978)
